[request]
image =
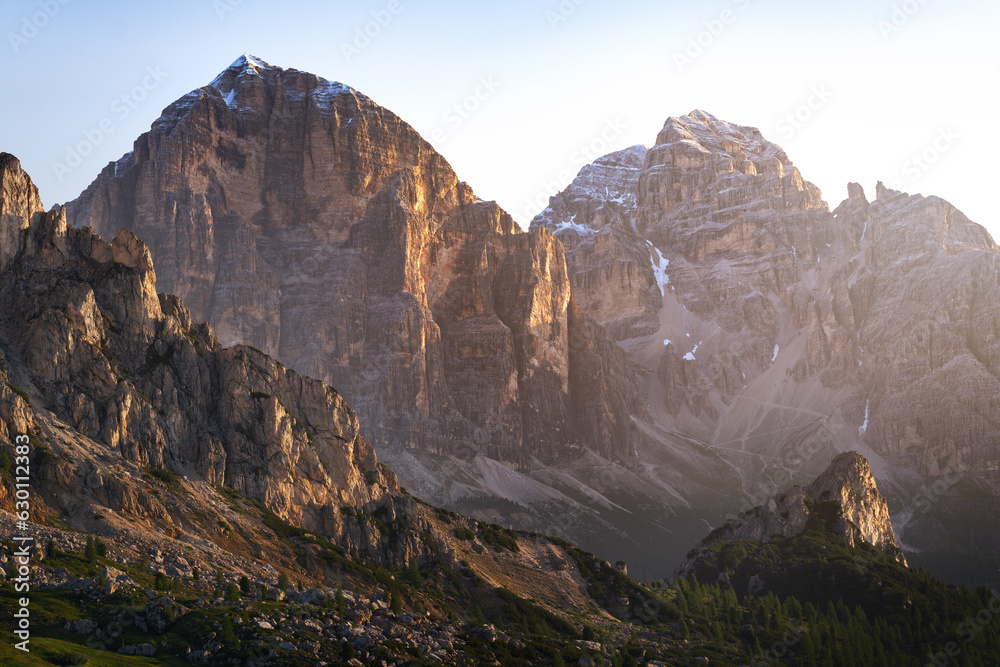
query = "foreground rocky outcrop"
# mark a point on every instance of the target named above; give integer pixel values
(296, 215)
(844, 499)
(91, 350)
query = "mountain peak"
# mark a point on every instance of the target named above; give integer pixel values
(243, 66)
(252, 61)
(847, 470)
(709, 134)
(247, 85)
(19, 205)
(702, 116)
(862, 514)
(246, 61)
(849, 482)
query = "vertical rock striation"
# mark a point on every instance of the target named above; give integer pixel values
(296, 215)
(787, 332)
(87, 342)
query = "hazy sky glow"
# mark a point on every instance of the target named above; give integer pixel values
(540, 87)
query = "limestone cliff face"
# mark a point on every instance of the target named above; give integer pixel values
(849, 483)
(786, 332)
(87, 344)
(608, 262)
(924, 295)
(298, 216)
(862, 514)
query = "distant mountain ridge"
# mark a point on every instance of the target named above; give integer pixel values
(779, 333)
(756, 328)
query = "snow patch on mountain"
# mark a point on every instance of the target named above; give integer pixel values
(582, 230)
(660, 264)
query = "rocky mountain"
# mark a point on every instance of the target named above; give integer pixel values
(607, 264)
(640, 324)
(297, 216)
(183, 492)
(846, 491)
(187, 459)
(786, 333)
(725, 235)
(127, 382)
(682, 319)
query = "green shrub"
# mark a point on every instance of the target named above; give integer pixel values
(20, 392)
(499, 538)
(67, 658)
(227, 636)
(347, 652)
(413, 576)
(341, 602)
(168, 477)
(90, 551)
(281, 528)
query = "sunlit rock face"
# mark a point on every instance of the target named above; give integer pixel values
(844, 499)
(296, 215)
(136, 384)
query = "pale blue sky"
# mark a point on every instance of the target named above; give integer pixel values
(561, 74)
